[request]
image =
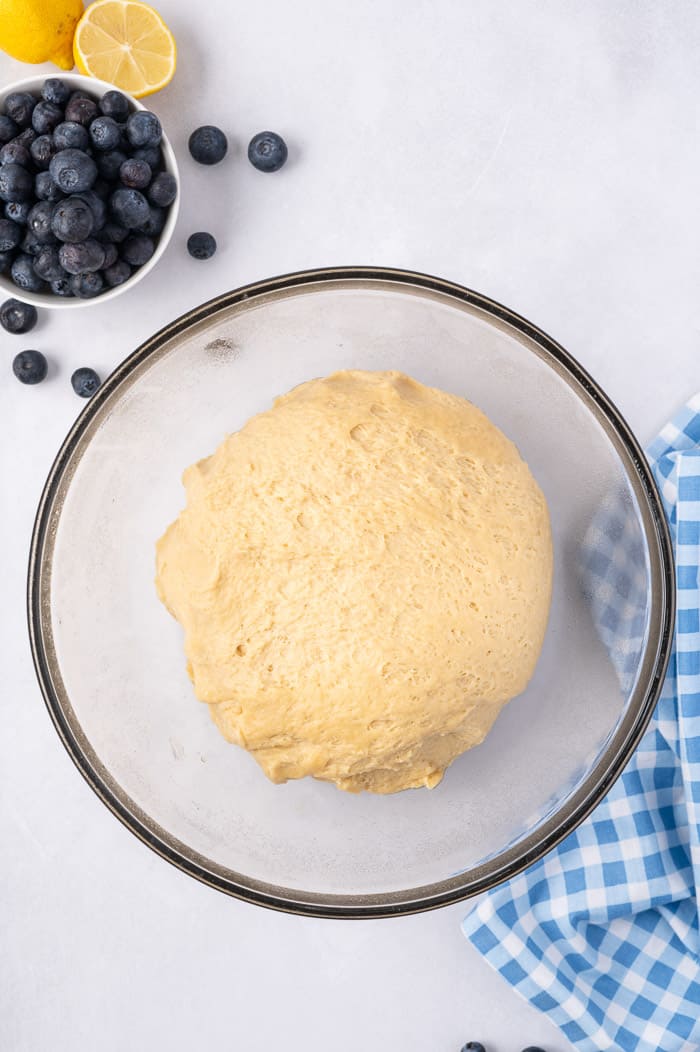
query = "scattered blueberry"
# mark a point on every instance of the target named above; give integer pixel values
(111, 254)
(114, 104)
(267, 151)
(45, 117)
(56, 91)
(8, 128)
(39, 222)
(73, 171)
(15, 152)
(108, 164)
(48, 264)
(143, 129)
(73, 219)
(137, 250)
(533, 1048)
(129, 207)
(155, 222)
(69, 135)
(201, 245)
(81, 258)
(11, 234)
(112, 233)
(42, 150)
(62, 287)
(85, 382)
(18, 211)
(80, 109)
(208, 144)
(163, 190)
(135, 174)
(19, 106)
(105, 133)
(45, 188)
(117, 274)
(473, 1046)
(85, 286)
(30, 367)
(16, 183)
(150, 154)
(17, 317)
(23, 274)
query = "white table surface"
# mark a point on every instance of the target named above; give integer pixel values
(545, 153)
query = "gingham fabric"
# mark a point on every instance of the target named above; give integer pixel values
(602, 934)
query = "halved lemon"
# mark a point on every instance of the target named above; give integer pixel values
(126, 43)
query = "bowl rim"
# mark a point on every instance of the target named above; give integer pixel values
(97, 87)
(514, 858)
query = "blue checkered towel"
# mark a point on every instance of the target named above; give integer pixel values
(602, 934)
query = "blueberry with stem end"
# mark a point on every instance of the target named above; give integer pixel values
(208, 144)
(30, 367)
(201, 245)
(114, 104)
(267, 151)
(19, 106)
(23, 274)
(85, 382)
(61, 287)
(17, 317)
(69, 135)
(18, 211)
(73, 171)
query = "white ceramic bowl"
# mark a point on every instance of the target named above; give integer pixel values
(95, 88)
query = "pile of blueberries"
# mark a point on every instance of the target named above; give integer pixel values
(84, 189)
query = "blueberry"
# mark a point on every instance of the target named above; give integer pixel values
(61, 287)
(137, 250)
(80, 108)
(56, 91)
(114, 104)
(31, 245)
(267, 151)
(85, 382)
(108, 164)
(46, 116)
(45, 188)
(533, 1048)
(135, 174)
(30, 367)
(473, 1046)
(105, 134)
(143, 129)
(6, 261)
(201, 245)
(112, 233)
(117, 274)
(129, 207)
(86, 286)
(83, 257)
(25, 138)
(17, 317)
(69, 135)
(111, 254)
(39, 222)
(163, 190)
(11, 234)
(15, 153)
(73, 219)
(8, 128)
(150, 154)
(73, 171)
(16, 183)
(18, 211)
(155, 222)
(42, 150)
(97, 207)
(22, 273)
(19, 106)
(208, 144)
(48, 264)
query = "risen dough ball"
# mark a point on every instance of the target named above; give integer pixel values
(363, 575)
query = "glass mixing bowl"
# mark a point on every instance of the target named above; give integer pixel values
(110, 659)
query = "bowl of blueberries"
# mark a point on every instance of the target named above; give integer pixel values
(88, 191)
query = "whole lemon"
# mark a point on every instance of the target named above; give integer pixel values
(40, 30)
